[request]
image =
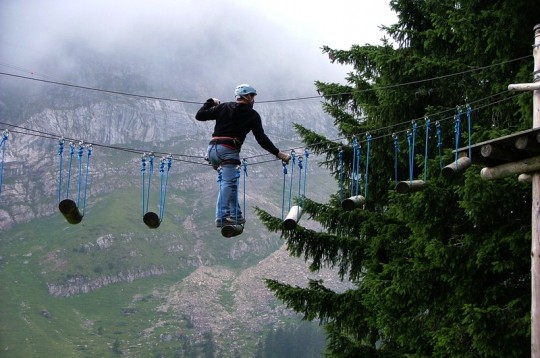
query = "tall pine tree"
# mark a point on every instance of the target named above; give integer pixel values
(444, 271)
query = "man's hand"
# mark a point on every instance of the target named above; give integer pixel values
(284, 156)
(213, 101)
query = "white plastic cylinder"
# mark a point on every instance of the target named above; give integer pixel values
(292, 218)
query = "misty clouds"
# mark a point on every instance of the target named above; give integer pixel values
(184, 49)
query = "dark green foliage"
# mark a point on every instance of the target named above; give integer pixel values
(445, 271)
(296, 341)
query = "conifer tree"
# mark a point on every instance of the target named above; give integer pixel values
(444, 271)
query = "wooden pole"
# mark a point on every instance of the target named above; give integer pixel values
(535, 244)
(535, 239)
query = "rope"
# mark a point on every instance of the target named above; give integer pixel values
(89, 153)
(300, 167)
(283, 199)
(306, 155)
(71, 153)
(439, 142)
(5, 135)
(164, 189)
(79, 158)
(150, 172)
(396, 151)
(411, 140)
(367, 163)
(143, 170)
(354, 169)
(426, 149)
(293, 158)
(457, 121)
(358, 174)
(60, 154)
(340, 156)
(469, 111)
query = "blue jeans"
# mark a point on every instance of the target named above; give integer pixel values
(227, 201)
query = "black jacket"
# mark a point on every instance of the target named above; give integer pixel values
(236, 120)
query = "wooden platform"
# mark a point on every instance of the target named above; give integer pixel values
(510, 148)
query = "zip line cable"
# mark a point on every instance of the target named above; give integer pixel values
(42, 134)
(377, 88)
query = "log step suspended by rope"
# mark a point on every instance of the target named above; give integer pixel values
(456, 168)
(150, 218)
(232, 230)
(68, 207)
(295, 211)
(353, 202)
(71, 212)
(410, 186)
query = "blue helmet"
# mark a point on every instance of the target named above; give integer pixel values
(243, 90)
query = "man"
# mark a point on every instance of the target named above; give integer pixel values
(234, 120)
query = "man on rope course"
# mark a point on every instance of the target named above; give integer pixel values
(234, 120)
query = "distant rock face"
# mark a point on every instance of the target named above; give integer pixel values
(81, 284)
(250, 306)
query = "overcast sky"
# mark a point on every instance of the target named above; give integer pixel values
(236, 41)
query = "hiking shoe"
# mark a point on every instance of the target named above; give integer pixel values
(232, 220)
(221, 222)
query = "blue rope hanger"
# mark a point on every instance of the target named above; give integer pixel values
(146, 188)
(354, 171)
(426, 149)
(60, 154)
(88, 154)
(411, 138)
(457, 130)
(5, 135)
(164, 179)
(368, 137)
(469, 111)
(306, 155)
(293, 159)
(439, 142)
(396, 151)
(340, 156)
(284, 165)
(68, 207)
(152, 219)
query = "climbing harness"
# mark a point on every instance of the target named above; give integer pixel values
(69, 208)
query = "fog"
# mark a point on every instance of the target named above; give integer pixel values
(188, 49)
